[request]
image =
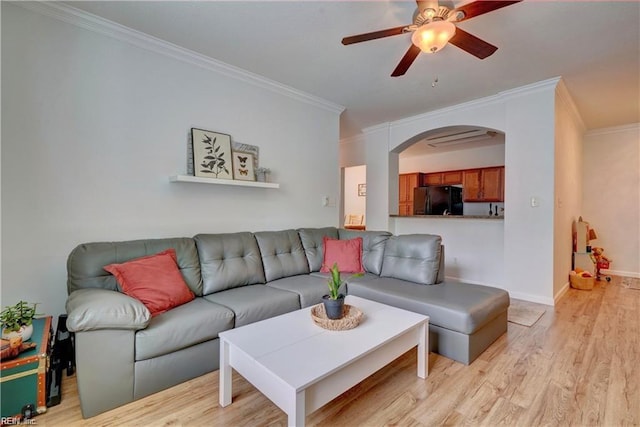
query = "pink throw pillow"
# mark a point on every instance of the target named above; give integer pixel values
(155, 280)
(346, 253)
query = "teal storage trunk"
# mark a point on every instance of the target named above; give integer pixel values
(23, 379)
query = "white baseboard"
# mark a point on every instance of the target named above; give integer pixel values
(562, 293)
(532, 298)
(517, 295)
(620, 273)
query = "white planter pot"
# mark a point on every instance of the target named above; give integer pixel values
(25, 332)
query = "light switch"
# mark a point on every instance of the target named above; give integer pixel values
(535, 202)
(325, 200)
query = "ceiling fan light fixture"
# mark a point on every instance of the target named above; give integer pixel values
(433, 36)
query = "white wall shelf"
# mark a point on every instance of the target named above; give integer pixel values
(238, 183)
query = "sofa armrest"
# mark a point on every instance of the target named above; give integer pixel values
(94, 309)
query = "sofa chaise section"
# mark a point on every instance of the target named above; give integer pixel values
(464, 320)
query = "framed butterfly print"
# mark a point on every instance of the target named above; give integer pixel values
(243, 166)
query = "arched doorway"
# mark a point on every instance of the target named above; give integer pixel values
(440, 156)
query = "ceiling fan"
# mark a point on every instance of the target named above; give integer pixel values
(433, 27)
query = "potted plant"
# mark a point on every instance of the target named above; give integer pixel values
(18, 319)
(334, 301)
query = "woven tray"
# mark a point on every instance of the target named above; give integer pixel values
(352, 316)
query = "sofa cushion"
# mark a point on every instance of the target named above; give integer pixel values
(85, 262)
(309, 287)
(373, 244)
(413, 257)
(345, 254)
(312, 242)
(255, 302)
(456, 306)
(154, 280)
(282, 254)
(190, 324)
(228, 261)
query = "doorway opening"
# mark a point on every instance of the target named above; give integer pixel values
(354, 193)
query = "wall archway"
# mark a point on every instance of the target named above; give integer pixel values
(451, 130)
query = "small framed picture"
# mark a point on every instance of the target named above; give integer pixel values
(243, 166)
(362, 189)
(211, 154)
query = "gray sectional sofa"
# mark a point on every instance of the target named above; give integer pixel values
(123, 354)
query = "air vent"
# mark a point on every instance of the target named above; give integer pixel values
(459, 137)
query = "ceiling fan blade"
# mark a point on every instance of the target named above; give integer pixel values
(374, 35)
(471, 44)
(481, 7)
(406, 61)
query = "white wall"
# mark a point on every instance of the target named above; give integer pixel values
(474, 248)
(352, 151)
(353, 203)
(92, 127)
(382, 188)
(611, 194)
(526, 116)
(569, 131)
(529, 172)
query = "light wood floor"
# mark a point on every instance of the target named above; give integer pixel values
(578, 365)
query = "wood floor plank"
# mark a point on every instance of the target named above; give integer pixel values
(578, 365)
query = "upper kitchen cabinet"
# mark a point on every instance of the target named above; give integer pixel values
(443, 178)
(483, 185)
(407, 182)
(432, 179)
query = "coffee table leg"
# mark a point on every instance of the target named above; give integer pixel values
(225, 374)
(423, 350)
(297, 412)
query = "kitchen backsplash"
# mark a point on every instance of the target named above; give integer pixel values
(483, 208)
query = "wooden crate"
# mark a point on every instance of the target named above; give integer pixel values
(23, 379)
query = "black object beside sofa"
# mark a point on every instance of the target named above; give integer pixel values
(124, 354)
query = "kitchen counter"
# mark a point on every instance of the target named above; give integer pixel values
(449, 216)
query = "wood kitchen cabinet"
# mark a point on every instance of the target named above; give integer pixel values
(432, 179)
(452, 177)
(407, 182)
(483, 185)
(443, 178)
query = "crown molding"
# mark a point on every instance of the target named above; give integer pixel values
(377, 128)
(88, 21)
(355, 139)
(480, 102)
(447, 110)
(614, 129)
(533, 87)
(564, 96)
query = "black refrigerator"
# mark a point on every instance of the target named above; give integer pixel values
(437, 200)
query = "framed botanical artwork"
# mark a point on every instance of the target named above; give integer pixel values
(243, 166)
(362, 189)
(211, 154)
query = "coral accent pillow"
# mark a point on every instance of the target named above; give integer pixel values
(155, 280)
(346, 253)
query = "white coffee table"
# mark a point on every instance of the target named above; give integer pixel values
(300, 366)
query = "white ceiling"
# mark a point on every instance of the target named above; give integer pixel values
(594, 46)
